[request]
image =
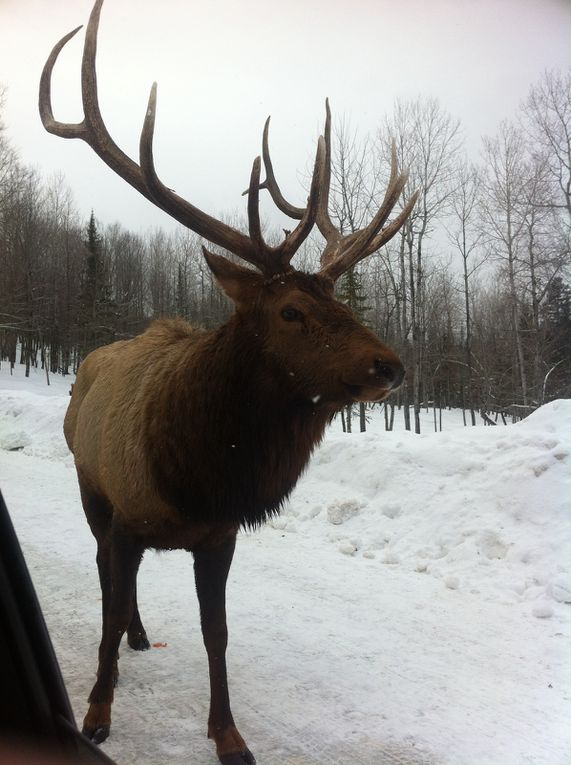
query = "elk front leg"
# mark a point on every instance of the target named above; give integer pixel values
(211, 568)
(125, 554)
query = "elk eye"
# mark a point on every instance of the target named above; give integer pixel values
(291, 314)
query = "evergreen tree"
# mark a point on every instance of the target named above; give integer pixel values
(557, 321)
(352, 292)
(97, 309)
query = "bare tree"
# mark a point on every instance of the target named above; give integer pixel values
(352, 203)
(503, 216)
(428, 141)
(466, 236)
(524, 236)
(547, 113)
(61, 275)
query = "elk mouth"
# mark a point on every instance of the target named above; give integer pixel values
(366, 393)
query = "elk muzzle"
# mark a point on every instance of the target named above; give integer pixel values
(381, 377)
(390, 372)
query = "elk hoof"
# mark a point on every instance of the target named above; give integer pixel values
(97, 735)
(139, 643)
(238, 758)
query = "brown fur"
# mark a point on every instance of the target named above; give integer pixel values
(180, 426)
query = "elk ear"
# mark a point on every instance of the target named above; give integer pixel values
(239, 283)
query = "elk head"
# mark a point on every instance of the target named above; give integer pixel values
(306, 335)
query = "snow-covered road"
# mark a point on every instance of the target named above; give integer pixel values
(408, 607)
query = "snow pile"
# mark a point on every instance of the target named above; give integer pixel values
(487, 510)
(31, 412)
(32, 423)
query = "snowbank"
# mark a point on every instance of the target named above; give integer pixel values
(487, 510)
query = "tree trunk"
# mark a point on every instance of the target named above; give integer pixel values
(362, 417)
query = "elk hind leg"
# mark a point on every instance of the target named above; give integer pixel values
(136, 634)
(125, 553)
(99, 514)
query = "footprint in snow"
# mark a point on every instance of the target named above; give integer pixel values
(339, 512)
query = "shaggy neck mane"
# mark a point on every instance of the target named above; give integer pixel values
(225, 420)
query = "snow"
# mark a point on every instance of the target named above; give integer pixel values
(412, 604)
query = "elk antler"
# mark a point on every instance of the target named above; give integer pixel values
(343, 251)
(143, 177)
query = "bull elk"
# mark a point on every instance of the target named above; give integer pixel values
(182, 436)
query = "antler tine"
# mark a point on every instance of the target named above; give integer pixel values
(271, 256)
(143, 177)
(272, 185)
(393, 228)
(338, 257)
(394, 163)
(186, 213)
(358, 245)
(341, 252)
(322, 219)
(61, 129)
(254, 225)
(253, 249)
(331, 235)
(91, 129)
(337, 266)
(97, 134)
(306, 215)
(293, 241)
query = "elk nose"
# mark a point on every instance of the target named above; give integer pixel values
(389, 372)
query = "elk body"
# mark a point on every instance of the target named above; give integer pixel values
(182, 436)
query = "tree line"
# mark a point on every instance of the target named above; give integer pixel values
(474, 293)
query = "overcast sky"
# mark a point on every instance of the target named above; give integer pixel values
(223, 66)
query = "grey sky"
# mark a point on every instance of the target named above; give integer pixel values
(223, 66)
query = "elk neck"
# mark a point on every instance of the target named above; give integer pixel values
(228, 434)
